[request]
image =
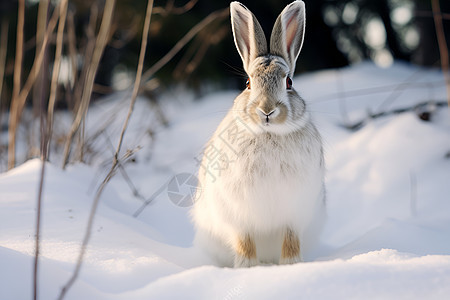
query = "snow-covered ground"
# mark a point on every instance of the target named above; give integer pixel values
(387, 234)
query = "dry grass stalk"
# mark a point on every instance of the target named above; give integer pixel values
(18, 103)
(3, 50)
(40, 87)
(46, 137)
(81, 82)
(137, 82)
(19, 50)
(195, 54)
(72, 41)
(100, 44)
(13, 115)
(170, 8)
(88, 53)
(443, 50)
(55, 76)
(40, 33)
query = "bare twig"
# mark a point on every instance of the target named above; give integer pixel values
(443, 50)
(88, 53)
(378, 90)
(425, 13)
(40, 87)
(170, 9)
(46, 138)
(3, 50)
(90, 76)
(38, 225)
(16, 81)
(150, 199)
(422, 109)
(195, 54)
(40, 33)
(137, 82)
(220, 14)
(19, 51)
(72, 47)
(55, 76)
(124, 173)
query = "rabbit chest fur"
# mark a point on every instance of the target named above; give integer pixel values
(260, 183)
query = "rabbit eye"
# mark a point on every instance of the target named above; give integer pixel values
(288, 83)
(247, 84)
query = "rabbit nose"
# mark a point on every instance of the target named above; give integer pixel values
(266, 116)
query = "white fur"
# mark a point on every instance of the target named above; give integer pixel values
(271, 177)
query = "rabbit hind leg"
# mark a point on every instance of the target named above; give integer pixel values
(245, 252)
(290, 249)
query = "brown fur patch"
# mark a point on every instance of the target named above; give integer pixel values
(291, 245)
(246, 247)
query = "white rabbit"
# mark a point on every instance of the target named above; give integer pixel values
(261, 181)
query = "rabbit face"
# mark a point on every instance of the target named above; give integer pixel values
(271, 104)
(271, 99)
(268, 95)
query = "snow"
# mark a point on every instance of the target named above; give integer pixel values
(387, 231)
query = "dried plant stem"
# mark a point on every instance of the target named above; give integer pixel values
(170, 8)
(18, 103)
(88, 53)
(100, 44)
(16, 81)
(55, 76)
(443, 50)
(40, 33)
(72, 40)
(46, 138)
(137, 82)
(425, 13)
(19, 51)
(3, 50)
(40, 88)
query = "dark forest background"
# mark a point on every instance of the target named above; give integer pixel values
(338, 34)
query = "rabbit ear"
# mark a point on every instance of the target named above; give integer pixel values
(288, 33)
(248, 35)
